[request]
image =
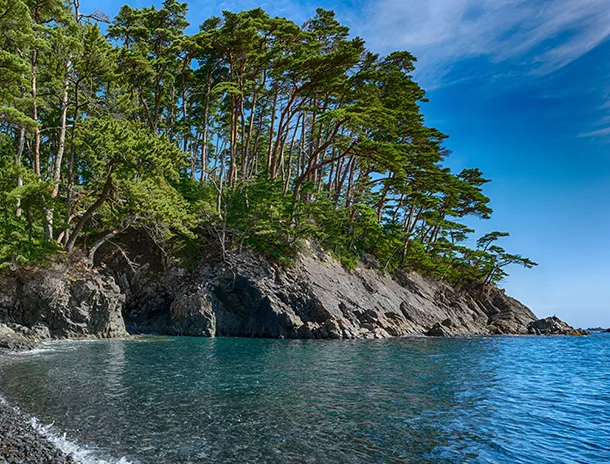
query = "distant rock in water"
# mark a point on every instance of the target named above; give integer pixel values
(553, 326)
(247, 295)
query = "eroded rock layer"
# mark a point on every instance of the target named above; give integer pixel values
(316, 298)
(249, 296)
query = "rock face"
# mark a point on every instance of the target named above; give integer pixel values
(62, 301)
(12, 339)
(316, 298)
(247, 295)
(553, 326)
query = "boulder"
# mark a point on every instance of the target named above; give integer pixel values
(553, 326)
(63, 301)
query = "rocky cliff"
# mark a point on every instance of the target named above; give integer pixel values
(61, 301)
(247, 295)
(316, 298)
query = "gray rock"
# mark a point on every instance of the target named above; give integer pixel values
(316, 298)
(193, 314)
(62, 301)
(13, 340)
(250, 296)
(553, 326)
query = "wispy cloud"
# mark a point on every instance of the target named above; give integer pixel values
(604, 132)
(535, 36)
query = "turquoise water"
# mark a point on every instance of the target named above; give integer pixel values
(197, 400)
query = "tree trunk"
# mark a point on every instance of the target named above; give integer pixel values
(62, 133)
(34, 70)
(90, 211)
(20, 146)
(270, 151)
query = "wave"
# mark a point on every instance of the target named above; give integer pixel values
(81, 454)
(33, 352)
(46, 347)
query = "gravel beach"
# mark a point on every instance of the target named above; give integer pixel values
(21, 443)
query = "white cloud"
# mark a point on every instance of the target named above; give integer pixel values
(535, 36)
(604, 132)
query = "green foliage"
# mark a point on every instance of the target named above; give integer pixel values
(253, 132)
(22, 239)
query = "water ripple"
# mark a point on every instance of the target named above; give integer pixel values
(478, 400)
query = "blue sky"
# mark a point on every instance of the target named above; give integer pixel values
(522, 87)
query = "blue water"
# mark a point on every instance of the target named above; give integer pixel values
(421, 400)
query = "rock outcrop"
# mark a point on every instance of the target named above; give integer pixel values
(62, 301)
(249, 296)
(12, 338)
(553, 326)
(316, 298)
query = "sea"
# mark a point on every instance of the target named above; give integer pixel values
(519, 399)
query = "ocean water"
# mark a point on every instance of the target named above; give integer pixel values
(421, 400)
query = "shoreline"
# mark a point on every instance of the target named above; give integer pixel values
(22, 442)
(21, 437)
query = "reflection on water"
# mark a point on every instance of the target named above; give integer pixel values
(509, 399)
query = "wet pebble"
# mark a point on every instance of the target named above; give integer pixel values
(20, 443)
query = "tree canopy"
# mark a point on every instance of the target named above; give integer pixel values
(253, 131)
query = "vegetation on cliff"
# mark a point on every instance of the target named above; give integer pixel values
(253, 132)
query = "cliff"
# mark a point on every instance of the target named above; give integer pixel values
(315, 298)
(250, 296)
(61, 301)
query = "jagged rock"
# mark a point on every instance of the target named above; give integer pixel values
(62, 301)
(248, 295)
(193, 314)
(316, 298)
(13, 340)
(553, 326)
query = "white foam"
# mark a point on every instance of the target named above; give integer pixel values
(33, 352)
(81, 455)
(47, 347)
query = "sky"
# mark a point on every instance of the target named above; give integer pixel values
(522, 87)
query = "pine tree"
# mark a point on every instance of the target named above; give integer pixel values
(253, 131)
